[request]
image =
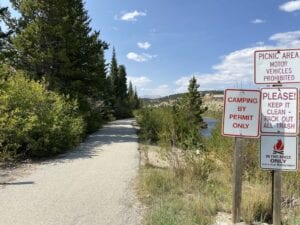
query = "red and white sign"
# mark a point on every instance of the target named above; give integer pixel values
(241, 113)
(277, 66)
(279, 111)
(279, 152)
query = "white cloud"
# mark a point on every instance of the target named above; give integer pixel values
(290, 6)
(136, 57)
(260, 43)
(287, 40)
(258, 21)
(139, 81)
(148, 56)
(236, 68)
(140, 57)
(132, 16)
(144, 45)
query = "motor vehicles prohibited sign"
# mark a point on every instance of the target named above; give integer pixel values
(278, 153)
(241, 113)
(279, 111)
(277, 66)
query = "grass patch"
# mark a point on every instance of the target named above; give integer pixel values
(182, 197)
(256, 203)
(202, 186)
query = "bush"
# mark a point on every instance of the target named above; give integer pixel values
(35, 122)
(149, 121)
(169, 127)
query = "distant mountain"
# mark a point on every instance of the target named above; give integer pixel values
(150, 100)
(150, 97)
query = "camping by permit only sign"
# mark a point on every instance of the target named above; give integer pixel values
(241, 113)
(277, 66)
(279, 153)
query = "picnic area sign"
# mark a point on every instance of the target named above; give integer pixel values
(277, 66)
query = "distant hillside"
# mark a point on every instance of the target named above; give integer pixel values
(167, 100)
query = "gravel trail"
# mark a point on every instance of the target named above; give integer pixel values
(92, 185)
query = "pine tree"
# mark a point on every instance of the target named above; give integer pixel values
(137, 103)
(113, 74)
(54, 41)
(194, 101)
(122, 109)
(131, 95)
(5, 45)
(121, 91)
(190, 105)
(130, 91)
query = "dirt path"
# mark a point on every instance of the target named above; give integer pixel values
(92, 185)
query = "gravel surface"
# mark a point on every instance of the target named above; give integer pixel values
(93, 185)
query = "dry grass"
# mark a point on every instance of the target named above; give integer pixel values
(195, 193)
(190, 195)
(256, 202)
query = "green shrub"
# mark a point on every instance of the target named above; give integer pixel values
(169, 127)
(35, 122)
(149, 121)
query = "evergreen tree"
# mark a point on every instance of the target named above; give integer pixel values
(137, 103)
(118, 89)
(133, 98)
(190, 106)
(122, 109)
(113, 74)
(5, 45)
(121, 91)
(131, 95)
(130, 91)
(194, 101)
(54, 41)
(112, 81)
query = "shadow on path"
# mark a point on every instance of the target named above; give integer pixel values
(17, 183)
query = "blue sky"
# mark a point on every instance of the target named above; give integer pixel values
(163, 43)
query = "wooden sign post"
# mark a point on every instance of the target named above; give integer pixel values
(237, 180)
(240, 120)
(276, 197)
(280, 115)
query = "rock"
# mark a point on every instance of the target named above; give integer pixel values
(223, 218)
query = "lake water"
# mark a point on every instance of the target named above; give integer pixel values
(211, 123)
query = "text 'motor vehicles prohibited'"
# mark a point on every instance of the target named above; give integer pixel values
(277, 66)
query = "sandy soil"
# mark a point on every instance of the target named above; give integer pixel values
(93, 185)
